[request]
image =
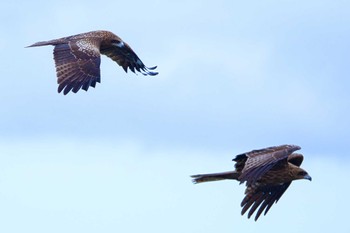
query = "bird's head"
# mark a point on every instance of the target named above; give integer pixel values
(300, 173)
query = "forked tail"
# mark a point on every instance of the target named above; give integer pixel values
(231, 175)
(43, 43)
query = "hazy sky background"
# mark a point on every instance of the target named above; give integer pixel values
(233, 76)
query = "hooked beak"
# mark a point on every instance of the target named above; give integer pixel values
(307, 177)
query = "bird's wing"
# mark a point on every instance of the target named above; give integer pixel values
(127, 58)
(296, 159)
(77, 65)
(264, 197)
(260, 161)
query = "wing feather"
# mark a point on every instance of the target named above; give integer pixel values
(76, 67)
(296, 159)
(260, 161)
(127, 58)
(262, 198)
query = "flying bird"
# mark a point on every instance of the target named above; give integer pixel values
(77, 58)
(267, 173)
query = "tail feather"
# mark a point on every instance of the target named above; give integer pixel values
(43, 43)
(200, 178)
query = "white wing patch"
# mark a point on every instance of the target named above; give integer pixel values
(120, 44)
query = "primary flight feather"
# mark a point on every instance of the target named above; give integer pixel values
(77, 58)
(267, 173)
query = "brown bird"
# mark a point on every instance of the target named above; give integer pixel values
(77, 58)
(267, 172)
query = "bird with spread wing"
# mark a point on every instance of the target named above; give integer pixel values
(77, 58)
(267, 173)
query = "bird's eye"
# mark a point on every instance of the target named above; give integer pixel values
(302, 173)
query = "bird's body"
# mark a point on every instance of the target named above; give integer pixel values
(77, 58)
(267, 173)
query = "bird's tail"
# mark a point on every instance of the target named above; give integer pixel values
(231, 175)
(43, 43)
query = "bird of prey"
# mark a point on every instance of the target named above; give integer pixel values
(77, 58)
(267, 173)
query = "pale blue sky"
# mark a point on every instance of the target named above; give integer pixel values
(233, 76)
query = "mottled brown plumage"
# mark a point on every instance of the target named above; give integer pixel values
(77, 58)
(267, 173)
